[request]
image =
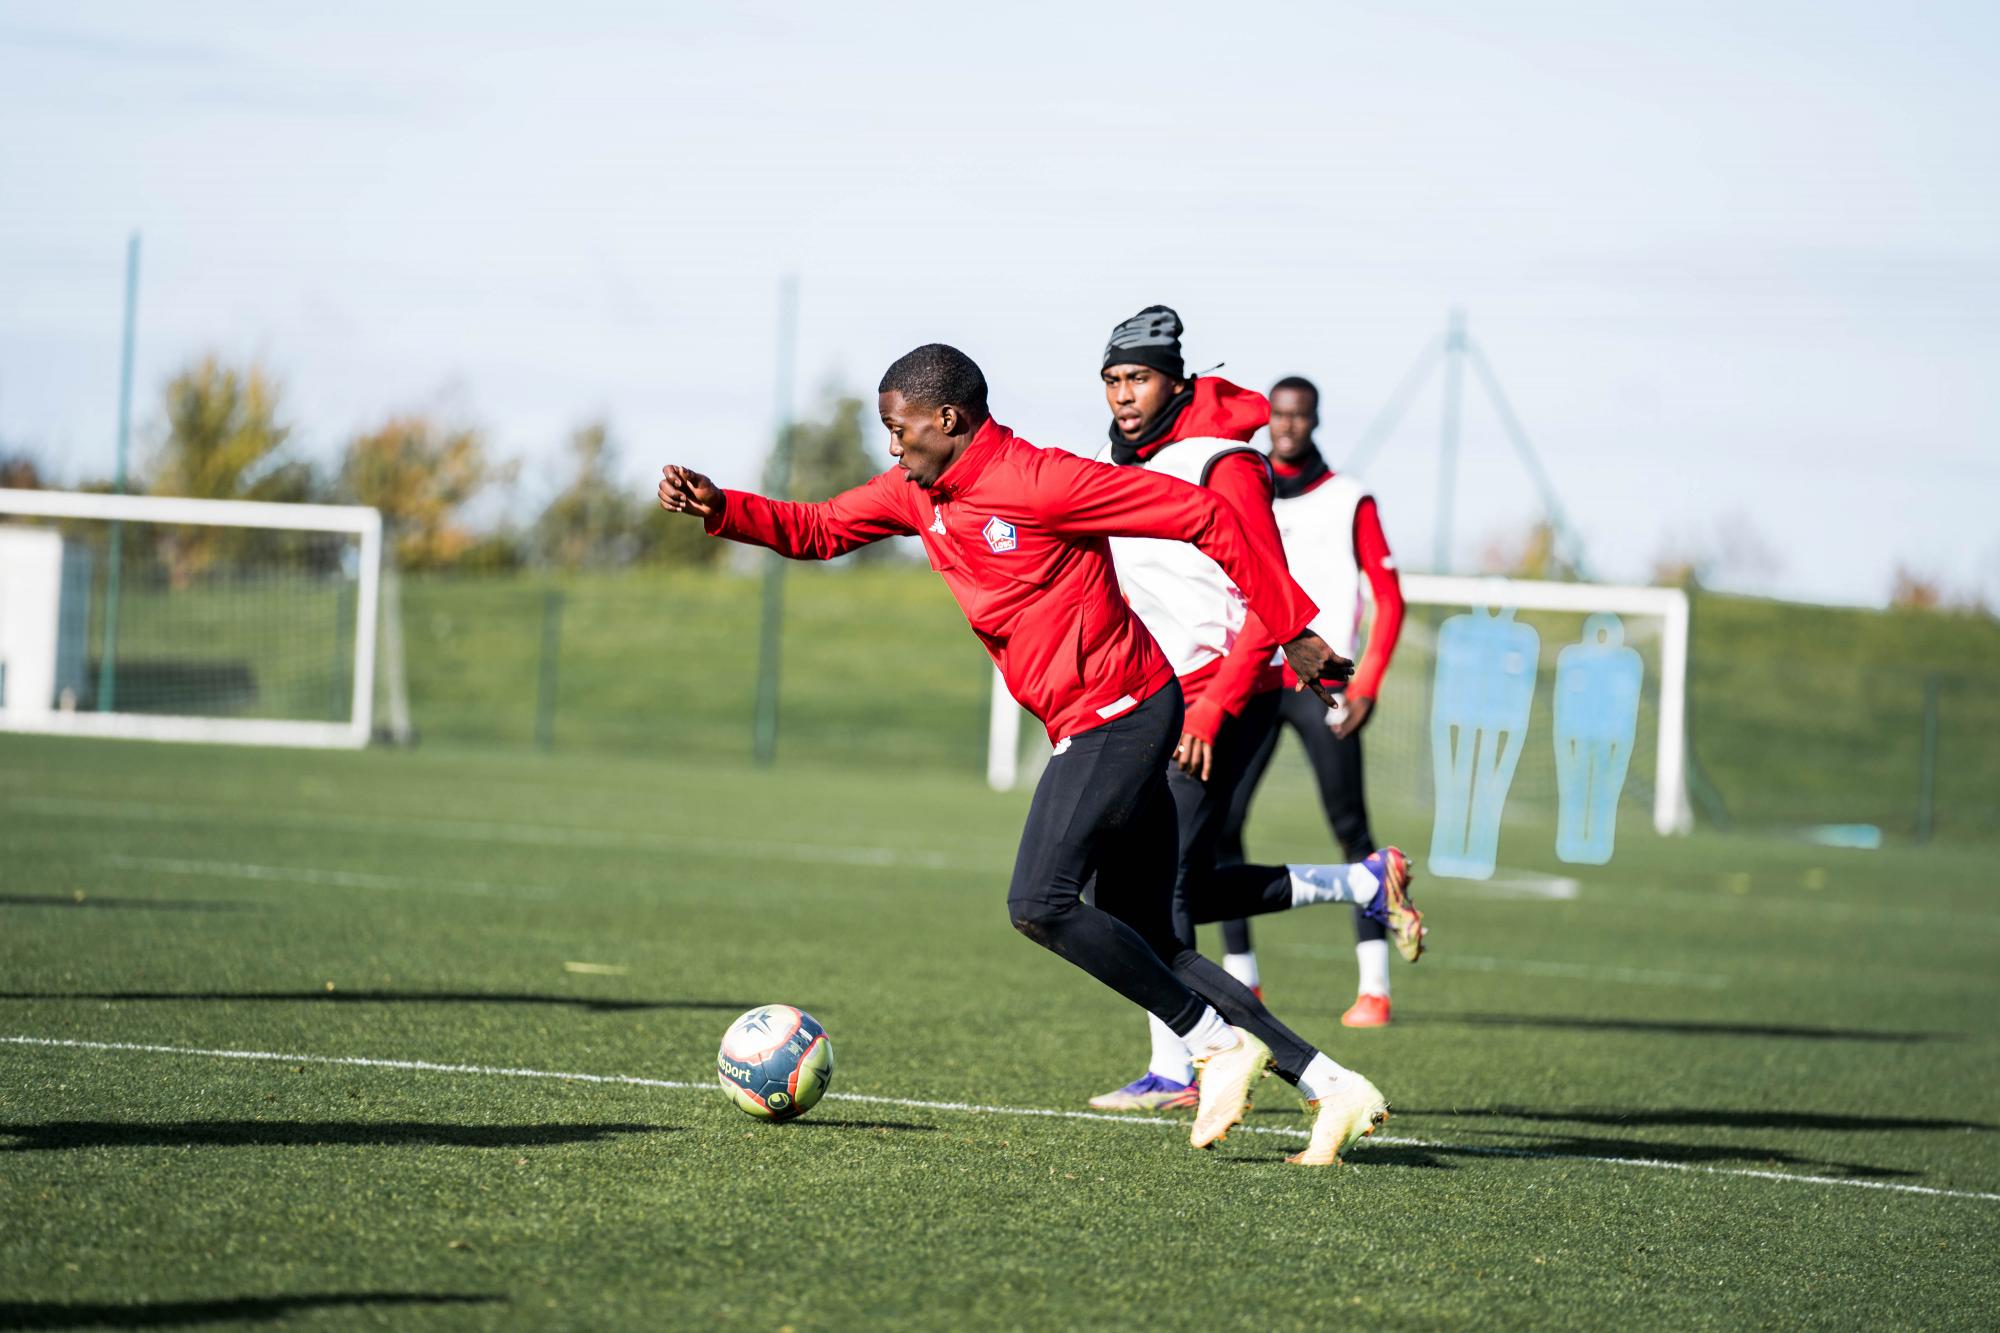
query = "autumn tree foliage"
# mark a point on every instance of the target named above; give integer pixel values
(424, 476)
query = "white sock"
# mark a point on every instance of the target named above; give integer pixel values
(1212, 1035)
(1373, 955)
(1242, 966)
(1319, 1078)
(1353, 883)
(1170, 1053)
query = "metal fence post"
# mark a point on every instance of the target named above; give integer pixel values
(114, 562)
(1927, 764)
(545, 691)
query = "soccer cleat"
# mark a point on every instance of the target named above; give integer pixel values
(1345, 1116)
(1367, 1011)
(1150, 1093)
(1392, 905)
(1225, 1080)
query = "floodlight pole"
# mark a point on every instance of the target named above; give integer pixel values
(777, 485)
(1454, 375)
(107, 678)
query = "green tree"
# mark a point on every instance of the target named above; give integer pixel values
(20, 471)
(829, 454)
(1533, 554)
(223, 439)
(599, 519)
(1726, 550)
(594, 520)
(423, 476)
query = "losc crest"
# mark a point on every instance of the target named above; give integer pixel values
(999, 535)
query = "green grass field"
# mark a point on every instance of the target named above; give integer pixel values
(1734, 1082)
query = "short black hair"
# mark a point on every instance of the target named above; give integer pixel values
(936, 375)
(1301, 383)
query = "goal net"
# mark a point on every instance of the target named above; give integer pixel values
(1399, 743)
(188, 620)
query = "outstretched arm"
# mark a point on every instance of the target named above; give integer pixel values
(820, 531)
(1085, 498)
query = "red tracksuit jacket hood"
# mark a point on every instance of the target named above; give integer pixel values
(1220, 411)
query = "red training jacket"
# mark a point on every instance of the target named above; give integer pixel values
(1018, 533)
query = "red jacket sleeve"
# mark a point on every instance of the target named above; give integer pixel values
(1244, 480)
(868, 513)
(1371, 552)
(1082, 498)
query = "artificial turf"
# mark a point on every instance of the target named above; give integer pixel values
(1717, 1007)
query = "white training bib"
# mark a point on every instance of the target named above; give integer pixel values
(1318, 531)
(1183, 598)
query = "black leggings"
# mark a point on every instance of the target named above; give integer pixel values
(1336, 766)
(1095, 879)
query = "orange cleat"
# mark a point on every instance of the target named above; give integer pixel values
(1368, 1011)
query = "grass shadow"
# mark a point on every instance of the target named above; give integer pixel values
(1578, 1023)
(221, 1310)
(1640, 1117)
(62, 1135)
(1587, 1147)
(89, 901)
(1361, 1154)
(821, 1122)
(593, 1004)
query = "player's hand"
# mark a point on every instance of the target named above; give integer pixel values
(685, 491)
(1195, 756)
(1313, 661)
(1353, 718)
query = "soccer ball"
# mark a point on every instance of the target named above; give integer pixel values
(775, 1062)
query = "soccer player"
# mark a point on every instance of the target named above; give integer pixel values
(1197, 429)
(1019, 536)
(1333, 539)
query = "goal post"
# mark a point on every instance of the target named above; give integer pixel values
(229, 621)
(1656, 622)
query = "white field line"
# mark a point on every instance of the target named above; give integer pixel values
(541, 835)
(1522, 884)
(975, 1108)
(1505, 884)
(345, 879)
(1636, 976)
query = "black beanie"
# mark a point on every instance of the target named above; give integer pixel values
(1150, 338)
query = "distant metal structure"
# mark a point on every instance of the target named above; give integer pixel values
(777, 485)
(107, 670)
(1455, 348)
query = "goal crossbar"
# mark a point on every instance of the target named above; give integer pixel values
(358, 519)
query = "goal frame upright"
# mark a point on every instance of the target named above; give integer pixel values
(360, 521)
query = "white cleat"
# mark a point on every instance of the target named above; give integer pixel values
(1348, 1114)
(1225, 1082)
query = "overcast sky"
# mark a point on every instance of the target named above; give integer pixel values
(1737, 264)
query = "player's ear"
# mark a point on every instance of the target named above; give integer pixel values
(949, 419)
